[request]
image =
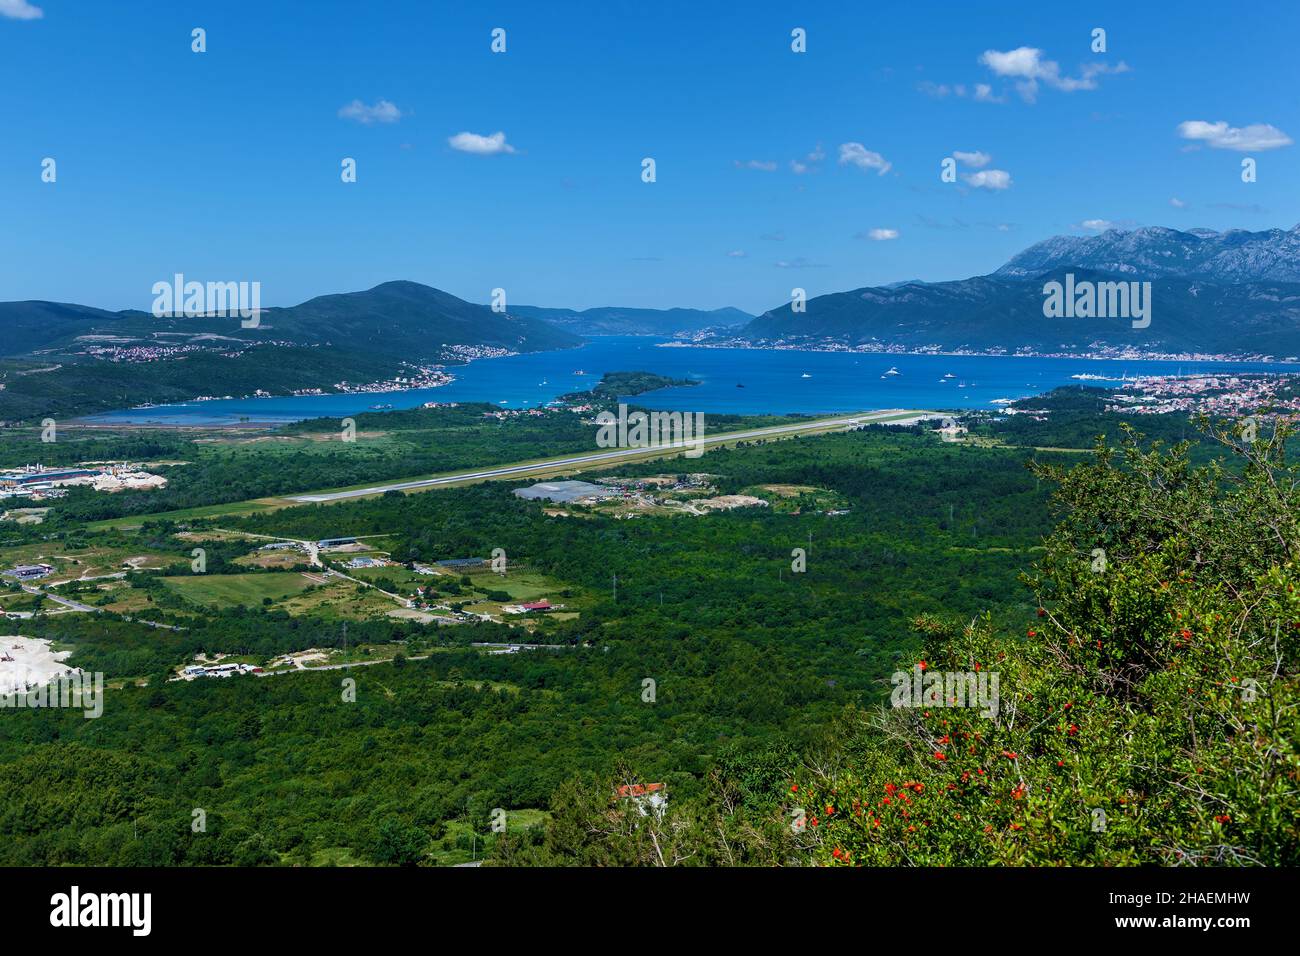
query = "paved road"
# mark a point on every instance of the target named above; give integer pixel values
(75, 605)
(78, 606)
(313, 552)
(721, 437)
(337, 667)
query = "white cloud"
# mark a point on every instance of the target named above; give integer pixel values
(20, 10)
(764, 165)
(1220, 135)
(989, 179)
(808, 163)
(976, 159)
(858, 155)
(878, 235)
(381, 112)
(736, 254)
(480, 145)
(1177, 203)
(1027, 65)
(980, 92)
(1097, 225)
(800, 263)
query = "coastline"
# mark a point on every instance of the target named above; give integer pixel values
(772, 380)
(392, 387)
(830, 347)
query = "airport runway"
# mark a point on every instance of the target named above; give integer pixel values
(865, 418)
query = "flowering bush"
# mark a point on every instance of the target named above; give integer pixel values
(1150, 711)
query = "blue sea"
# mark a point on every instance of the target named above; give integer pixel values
(731, 381)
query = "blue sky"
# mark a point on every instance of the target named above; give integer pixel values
(225, 165)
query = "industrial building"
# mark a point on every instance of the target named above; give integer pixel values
(564, 491)
(462, 564)
(29, 572)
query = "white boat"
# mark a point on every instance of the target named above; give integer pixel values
(893, 370)
(805, 375)
(950, 375)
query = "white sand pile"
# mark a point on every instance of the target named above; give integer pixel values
(34, 663)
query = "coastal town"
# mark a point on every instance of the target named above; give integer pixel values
(707, 339)
(413, 376)
(1221, 395)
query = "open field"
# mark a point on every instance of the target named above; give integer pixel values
(230, 590)
(119, 597)
(339, 600)
(523, 586)
(72, 562)
(462, 844)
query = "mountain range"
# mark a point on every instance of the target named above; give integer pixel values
(1155, 252)
(66, 359)
(1231, 293)
(400, 319)
(614, 320)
